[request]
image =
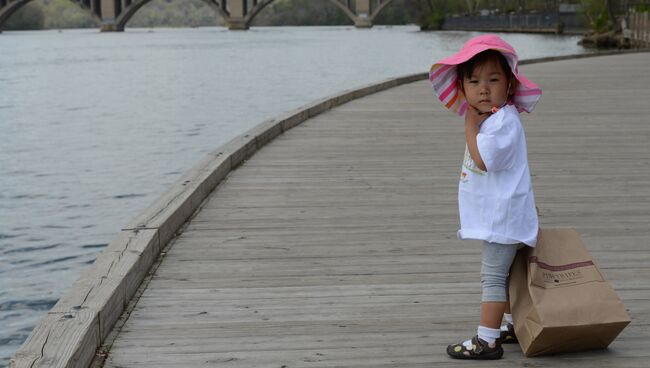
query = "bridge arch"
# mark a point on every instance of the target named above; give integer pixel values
(382, 5)
(241, 18)
(9, 7)
(256, 10)
(364, 20)
(132, 7)
(237, 16)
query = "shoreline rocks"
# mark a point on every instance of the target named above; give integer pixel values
(605, 40)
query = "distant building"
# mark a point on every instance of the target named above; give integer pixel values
(570, 8)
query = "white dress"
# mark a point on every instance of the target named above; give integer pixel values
(498, 205)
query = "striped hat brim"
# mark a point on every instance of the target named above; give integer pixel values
(443, 76)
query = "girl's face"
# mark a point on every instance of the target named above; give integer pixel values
(487, 87)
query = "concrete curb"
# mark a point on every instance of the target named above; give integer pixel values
(81, 320)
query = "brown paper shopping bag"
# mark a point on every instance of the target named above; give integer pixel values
(560, 301)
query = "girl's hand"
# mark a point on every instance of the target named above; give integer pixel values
(474, 118)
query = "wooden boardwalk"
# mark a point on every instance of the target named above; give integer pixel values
(334, 245)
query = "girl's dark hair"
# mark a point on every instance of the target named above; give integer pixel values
(465, 69)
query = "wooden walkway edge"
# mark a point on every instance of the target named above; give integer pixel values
(82, 319)
(333, 246)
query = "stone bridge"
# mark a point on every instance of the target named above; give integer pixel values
(238, 14)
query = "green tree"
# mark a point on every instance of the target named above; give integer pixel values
(430, 14)
(597, 15)
(175, 13)
(47, 14)
(301, 13)
(472, 5)
(28, 17)
(67, 14)
(396, 13)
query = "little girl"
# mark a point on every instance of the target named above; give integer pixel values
(495, 197)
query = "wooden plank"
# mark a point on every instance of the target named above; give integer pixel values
(107, 286)
(61, 340)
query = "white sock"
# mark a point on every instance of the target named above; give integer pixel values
(488, 334)
(508, 318)
(468, 344)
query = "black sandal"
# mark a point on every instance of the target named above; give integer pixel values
(509, 337)
(480, 350)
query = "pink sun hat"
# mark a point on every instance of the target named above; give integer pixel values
(443, 75)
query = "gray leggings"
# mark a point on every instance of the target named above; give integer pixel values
(497, 259)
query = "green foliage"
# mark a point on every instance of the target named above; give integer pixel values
(50, 14)
(67, 14)
(601, 23)
(396, 13)
(175, 13)
(596, 13)
(510, 10)
(301, 13)
(46, 14)
(324, 12)
(434, 20)
(641, 8)
(430, 14)
(29, 17)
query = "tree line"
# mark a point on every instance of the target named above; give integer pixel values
(58, 14)
(601, 14)
(428, 14)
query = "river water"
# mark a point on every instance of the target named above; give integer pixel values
(95, 126)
